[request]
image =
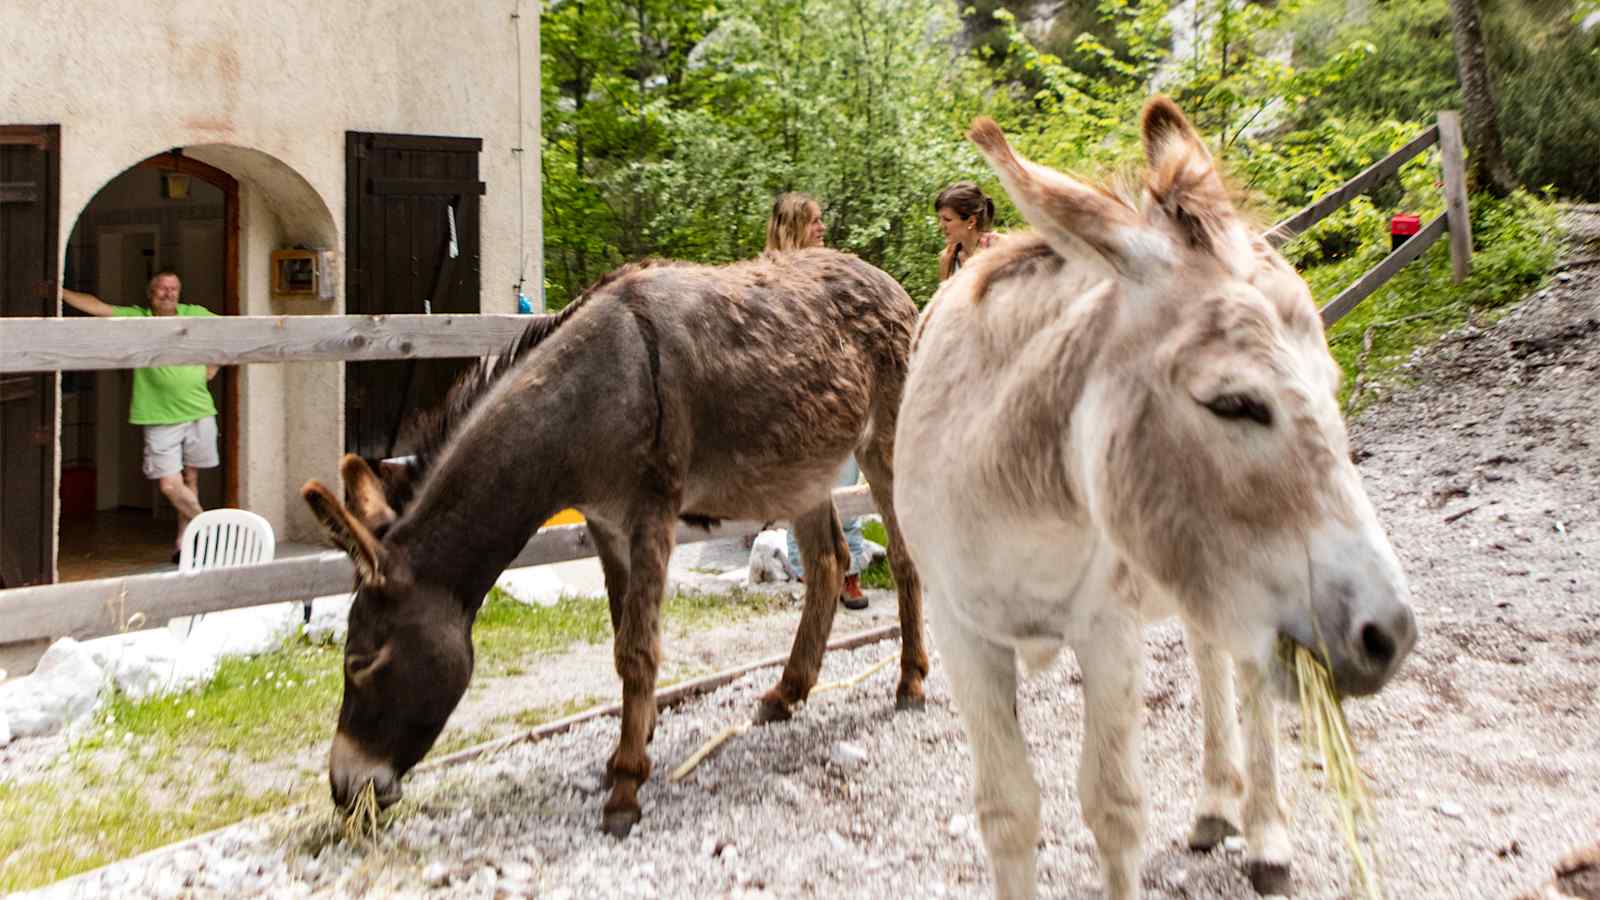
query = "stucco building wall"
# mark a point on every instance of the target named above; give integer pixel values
(266, 92)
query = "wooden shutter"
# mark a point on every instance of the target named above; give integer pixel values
(30, 181)
(400, 196)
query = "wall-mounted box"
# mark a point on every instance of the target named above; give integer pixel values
(303, 273)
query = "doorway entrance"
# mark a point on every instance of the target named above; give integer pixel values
(166, 212)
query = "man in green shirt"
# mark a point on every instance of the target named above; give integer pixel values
(172, 403)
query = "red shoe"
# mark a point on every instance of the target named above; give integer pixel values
(852, 598)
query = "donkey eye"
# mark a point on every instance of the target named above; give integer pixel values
(361, 667)
(1240, 406)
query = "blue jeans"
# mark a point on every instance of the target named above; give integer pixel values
(849, 474)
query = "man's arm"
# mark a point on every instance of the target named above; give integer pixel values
(87, 303)
(211, 372)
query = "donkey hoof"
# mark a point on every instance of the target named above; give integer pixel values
(910, 702)
(771, 709)
(1209, 831)
(619, 822)
(1270, 878)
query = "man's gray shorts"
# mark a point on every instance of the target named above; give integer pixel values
(168, 448)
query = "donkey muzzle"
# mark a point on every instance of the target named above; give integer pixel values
(350, 770)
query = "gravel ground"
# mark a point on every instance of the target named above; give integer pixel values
(1483, 756)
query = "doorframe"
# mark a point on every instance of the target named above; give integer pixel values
(47, 138)
(175, 161)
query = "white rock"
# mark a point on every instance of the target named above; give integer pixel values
(436, 874)
(847, 755)
(243, 632)
(1451, 808)
(769, 558)
(533, 585)
(959, 825)
(730, 856)
(63, 689)
(837, 841)
(151, 662)
(1233, 844)
(517, 871)
(330, 619)
(1590, 22)
(5, 729)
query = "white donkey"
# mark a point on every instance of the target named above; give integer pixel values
(1126, 414)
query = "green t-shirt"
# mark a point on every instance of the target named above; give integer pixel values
(168, 395)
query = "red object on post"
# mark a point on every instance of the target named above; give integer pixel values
(1402, 227)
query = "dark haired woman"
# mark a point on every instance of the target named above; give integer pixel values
(966, 216)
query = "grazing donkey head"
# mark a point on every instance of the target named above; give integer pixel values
(1207, 440)
(408, 657)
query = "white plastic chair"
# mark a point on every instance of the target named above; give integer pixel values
(220, 539)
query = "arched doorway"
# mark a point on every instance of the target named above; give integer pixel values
(165, 212)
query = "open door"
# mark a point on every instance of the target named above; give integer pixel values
(411, 246)
(30, 181)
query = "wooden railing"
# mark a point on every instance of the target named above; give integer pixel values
(1447, 134)
(85, 609)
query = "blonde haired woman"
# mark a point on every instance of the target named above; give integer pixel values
(796, 224)
(966, 216)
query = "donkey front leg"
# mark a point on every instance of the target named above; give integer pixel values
(983, 679)
(611, 545)
(913, 654)
(1110, 785)
(825, 556)
(1216, 814)
(637, 649)
(1265, 822)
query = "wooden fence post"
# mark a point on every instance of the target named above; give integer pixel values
(1455, 195)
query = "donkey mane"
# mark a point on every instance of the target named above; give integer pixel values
(430, 431)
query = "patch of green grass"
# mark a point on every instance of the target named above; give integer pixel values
(539, 715)
(877, 575)
(257, 708)
(105, 801)
(88, 817)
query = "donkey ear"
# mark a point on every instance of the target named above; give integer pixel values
(1067, 213)
(363, 490)
(347, 532)
(1182, 177)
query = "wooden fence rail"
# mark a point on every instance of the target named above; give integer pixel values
(85, 609)
(81, 343)
(89, 609)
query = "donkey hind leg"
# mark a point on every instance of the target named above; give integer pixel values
(1110, 784)
(1216, 813)
(825, 556)
(1266, 830)
(913, 653)
(637, 649)
(983, 681)
(611, 545)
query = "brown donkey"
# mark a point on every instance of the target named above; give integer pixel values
(667, 391)
(1127, 415)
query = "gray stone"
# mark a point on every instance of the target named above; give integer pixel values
(63, 689)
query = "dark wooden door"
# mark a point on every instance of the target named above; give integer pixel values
(29, 191)
(403, 194)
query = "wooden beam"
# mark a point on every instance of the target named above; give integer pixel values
(104, 606)
(411, 187)
(78, 343)
(665, 698)
(1452, 161)
(1383, 271)
(1285, 231)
